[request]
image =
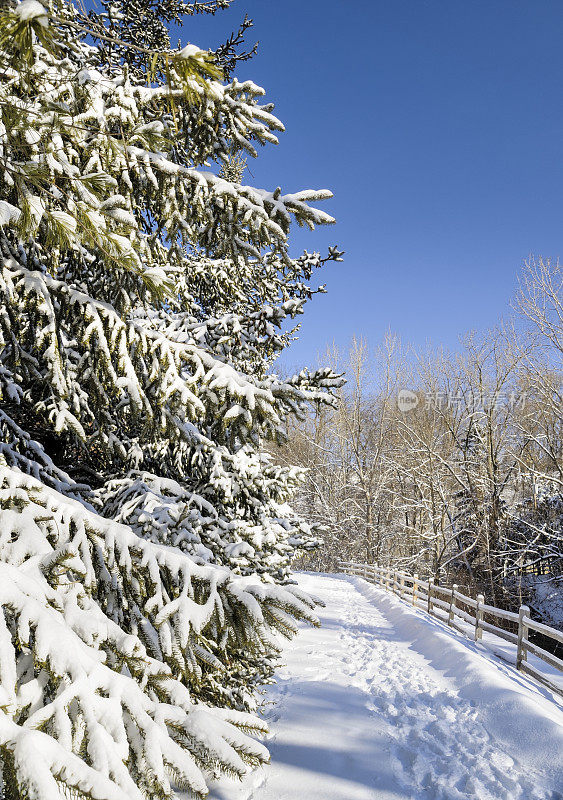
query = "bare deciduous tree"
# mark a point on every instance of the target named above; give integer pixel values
(464, 483)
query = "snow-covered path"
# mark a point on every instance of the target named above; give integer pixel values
(384, 702)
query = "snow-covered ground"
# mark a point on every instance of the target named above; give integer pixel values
(385, 702)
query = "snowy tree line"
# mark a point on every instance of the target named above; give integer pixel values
(449, 465)
(145, 533)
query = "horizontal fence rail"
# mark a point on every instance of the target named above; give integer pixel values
(454, 608)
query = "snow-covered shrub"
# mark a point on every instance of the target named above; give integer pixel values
(534, 551)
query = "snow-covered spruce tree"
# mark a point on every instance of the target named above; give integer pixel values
(145, 537)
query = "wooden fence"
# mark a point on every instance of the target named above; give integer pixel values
(450, 606)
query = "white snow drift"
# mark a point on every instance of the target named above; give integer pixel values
(384, 702)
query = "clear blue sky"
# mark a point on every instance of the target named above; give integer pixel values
(438, 125)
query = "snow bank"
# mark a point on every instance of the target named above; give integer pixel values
(526, 718)
(385, 703)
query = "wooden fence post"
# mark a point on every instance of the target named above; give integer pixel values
(479, 617)
(521, 653)
(395, 584)
(402, 586)
(452, 605)
(430, 585)
(414, 588)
